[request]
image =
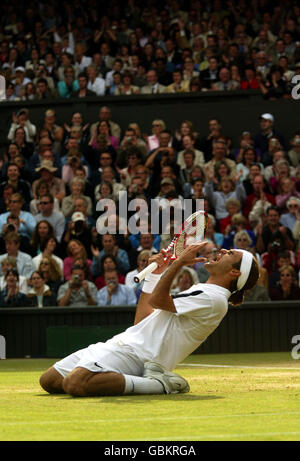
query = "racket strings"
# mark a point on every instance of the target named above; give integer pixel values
(193, 232)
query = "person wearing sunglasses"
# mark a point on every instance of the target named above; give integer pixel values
(289, 219)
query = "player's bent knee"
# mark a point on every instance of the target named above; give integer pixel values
(51, 381)
(74, 384)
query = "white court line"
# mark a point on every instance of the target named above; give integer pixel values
(220, 436)
(206, 365)
(156, 418)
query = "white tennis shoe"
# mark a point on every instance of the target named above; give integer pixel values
(172, 382)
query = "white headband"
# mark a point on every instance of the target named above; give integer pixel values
(245, 269)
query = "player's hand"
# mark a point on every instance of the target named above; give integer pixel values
(162, 260)
(189, 256)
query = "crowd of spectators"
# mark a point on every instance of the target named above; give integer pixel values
(55, 178)
(79, 49)
(62, 243)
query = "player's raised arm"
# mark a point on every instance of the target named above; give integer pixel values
(161, 298)
(144, 308)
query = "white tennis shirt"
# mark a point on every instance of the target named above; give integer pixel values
(167, 337)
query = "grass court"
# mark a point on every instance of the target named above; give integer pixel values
(243, 397)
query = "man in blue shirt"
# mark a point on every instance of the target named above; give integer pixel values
(115, 294)
(110, 248)
(27, 220)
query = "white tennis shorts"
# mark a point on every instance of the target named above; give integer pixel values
(103, 357)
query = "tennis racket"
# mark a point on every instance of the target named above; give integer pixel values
(193, 230)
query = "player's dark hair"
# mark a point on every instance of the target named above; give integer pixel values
(237, 297)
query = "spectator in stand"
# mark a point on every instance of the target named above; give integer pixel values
(106, 114)
(259, 194)
(55, 218)
(249, 156)
(22, 119)
(68, 203)
(267, 131)
(40, 295)
(81, 61)
(55, 131)
(69, 85)
(11, 263)
(286, 190)
(225, 83)
(115, 294)
(282, 170)
(95, 82)
(24, 261)
(22, 187)
(109, 248)
(214, 133)
(56, 185)
(11, 296)
(153, 86)
(275, 86)
(52, 274)
(41, 189)
(153, 141)
(142, 262)
(233, 207)
(83, 91)
(27, 221)
(219, 153)
(188, 143)
(43, 230)
(77, 291)
(179, 85)
(126, 86)
(108, 263)
(75, 250)
(246, 142)
(249, 82)
(210, 76)
(294, 152)
(274, 231)
(293, 212)
(49, 249)
(103, 129)
(287, 289)
(238, 223)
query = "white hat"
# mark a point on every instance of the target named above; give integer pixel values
(21, 69)
(78, 216)
(267, 117)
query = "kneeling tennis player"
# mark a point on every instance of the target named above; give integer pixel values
(166, 330)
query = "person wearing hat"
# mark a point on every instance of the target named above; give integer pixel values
(20, 80)
(55, 218)
(79, 227)
(266, 132)
(56, 185)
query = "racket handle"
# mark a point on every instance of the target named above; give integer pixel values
(148, 270)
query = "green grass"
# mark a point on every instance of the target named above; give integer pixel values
(255, 398)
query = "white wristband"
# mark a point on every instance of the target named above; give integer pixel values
(150, 282)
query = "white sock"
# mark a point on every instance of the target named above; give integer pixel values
(140, 385)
